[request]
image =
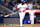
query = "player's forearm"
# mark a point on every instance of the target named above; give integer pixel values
(17, 9)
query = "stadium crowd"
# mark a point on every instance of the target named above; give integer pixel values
(12, 4)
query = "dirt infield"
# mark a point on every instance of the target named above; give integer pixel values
(19, 26)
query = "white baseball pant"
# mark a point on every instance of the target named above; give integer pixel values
(22, 15)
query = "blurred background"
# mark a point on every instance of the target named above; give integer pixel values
(10, 6)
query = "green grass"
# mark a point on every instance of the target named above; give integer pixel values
(23, 25)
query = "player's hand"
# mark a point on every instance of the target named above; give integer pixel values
(19, 11)
(23, 10)
(27, 9)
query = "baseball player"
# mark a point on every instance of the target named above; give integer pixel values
(32, 16)
(21, 8)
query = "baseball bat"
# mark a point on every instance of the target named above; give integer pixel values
(10, 14)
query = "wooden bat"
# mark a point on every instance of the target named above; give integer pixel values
(10, 14)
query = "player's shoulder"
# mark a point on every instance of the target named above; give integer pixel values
(25, 4)
(19, 4)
